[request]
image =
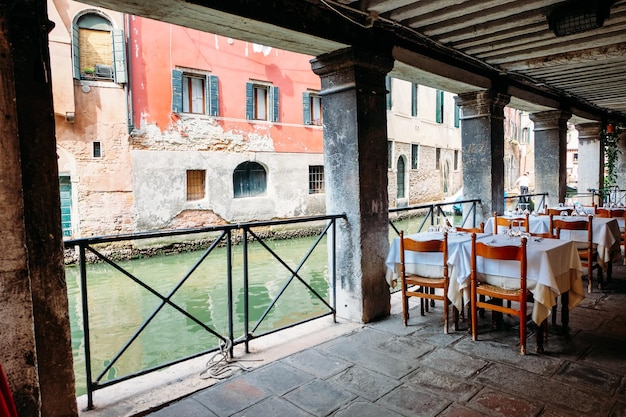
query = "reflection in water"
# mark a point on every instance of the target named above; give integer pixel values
(118, 306)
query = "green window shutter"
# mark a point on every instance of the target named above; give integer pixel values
(457, 116)
(274, 91)
(119, 56)
(306, 108)
(75, 51)
(177, 91)
(213, 96)
(388, 95)
(439, 109)
(413, 99)
(249, 102)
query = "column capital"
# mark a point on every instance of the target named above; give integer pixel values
(551, 119)
(482, 104)
(589, 131)
(381, 61)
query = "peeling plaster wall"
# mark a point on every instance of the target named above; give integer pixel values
(159, 181)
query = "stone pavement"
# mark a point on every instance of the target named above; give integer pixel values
(386, 369)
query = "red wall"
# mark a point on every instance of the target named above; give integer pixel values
(158, 47)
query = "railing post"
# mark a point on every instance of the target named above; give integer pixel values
(245, 289)
(333, 274)
(229, 279)
(84, 298)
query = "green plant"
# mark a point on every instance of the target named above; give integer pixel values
(89, 70)
(610, 139)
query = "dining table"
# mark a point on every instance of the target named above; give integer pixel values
(606, 233)
(553, 268)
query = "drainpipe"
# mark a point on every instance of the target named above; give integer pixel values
(130, 120)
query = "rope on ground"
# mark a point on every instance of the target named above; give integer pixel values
(220, 366)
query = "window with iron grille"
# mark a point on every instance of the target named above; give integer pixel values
(196, 184)
(316, 179)
(456, 159)
(97, 150)
(415, 154)
(438, 158)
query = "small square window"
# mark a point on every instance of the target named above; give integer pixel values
(316, 179)
(456, 159)
(438, 158)
(97, 150)
(196, 184)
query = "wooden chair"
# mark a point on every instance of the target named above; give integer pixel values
(479, 229)
(509, 223)
(509, 253)
(602, 212)
(558, 211)
(588, 251)
(427, 285)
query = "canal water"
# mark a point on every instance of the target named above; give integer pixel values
(118, 306)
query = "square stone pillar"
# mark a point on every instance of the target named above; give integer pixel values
(590, 160)
(482, 135)
(35, 342)
(551, 154)
(355, 165)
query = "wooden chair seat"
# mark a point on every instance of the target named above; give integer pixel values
(499, 292)
(425, 281)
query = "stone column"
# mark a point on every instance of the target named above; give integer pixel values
(590, 160)
(35, 344)
(482, 135)
(355, 165)
(551, 154)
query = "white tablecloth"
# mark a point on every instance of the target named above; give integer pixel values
(606, 233)
(553, 268)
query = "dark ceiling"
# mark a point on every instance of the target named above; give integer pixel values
(457, 45)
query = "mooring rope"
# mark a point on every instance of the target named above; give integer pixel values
(220, 366)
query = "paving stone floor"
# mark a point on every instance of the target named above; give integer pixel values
(386, 369)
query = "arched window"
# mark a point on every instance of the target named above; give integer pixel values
(249, 180)
(98, 49)
(401, 192)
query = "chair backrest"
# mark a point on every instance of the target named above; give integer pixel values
(602, 212)
(509, 223)
(433, 245)
(479, 229)
(617, 212)
(504, 253)
(558, 211)
(577, 225)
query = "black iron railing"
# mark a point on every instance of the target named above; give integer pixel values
(222, 236)
(526, 201)
(435, 214)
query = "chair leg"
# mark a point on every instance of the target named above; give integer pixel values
(522, 329)
(422, 306)
(554, 312)
(405, 310)
(432, 302)
(455, 313)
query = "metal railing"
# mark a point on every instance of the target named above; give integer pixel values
(526, 201)
(608, 197)
(222, 236)
(435, 214)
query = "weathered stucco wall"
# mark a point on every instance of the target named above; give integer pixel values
(159, 181)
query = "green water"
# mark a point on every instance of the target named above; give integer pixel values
(118, 306)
